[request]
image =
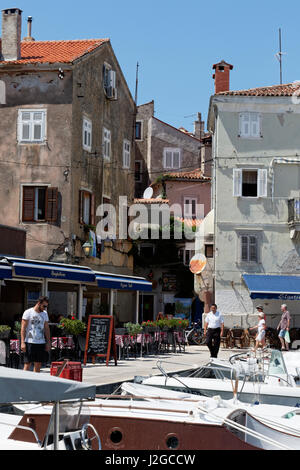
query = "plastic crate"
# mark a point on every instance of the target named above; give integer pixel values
(72, 370)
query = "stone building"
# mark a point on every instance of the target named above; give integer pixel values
(67, 146)
(256, 181)
(161, 147)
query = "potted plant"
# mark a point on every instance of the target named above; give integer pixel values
(149, 326)
(4, 331)
(133, 328)
(162, 324)
(72, 326)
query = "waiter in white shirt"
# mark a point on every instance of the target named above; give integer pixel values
(213, 330)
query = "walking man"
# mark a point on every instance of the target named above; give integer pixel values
(213, 330)
(35, 335)
(284, 326)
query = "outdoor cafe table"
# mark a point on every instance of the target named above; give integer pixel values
(144, 339)
(124, 341)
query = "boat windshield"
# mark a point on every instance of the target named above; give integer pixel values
(277, 364)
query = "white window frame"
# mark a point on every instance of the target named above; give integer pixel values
(106, 143)
(87, 134)
(173, 151)
(262, 182)
(248, 236)
(31, 123)
(126, 154)
(250, 125)
(190, 200)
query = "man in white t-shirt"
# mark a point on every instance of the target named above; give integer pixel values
(35, 335)
(213, 330)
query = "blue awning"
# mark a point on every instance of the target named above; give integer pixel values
(273, 287)
(55, 271)
(114, 281)
(5, 271)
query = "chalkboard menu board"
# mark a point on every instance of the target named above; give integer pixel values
(100, 338)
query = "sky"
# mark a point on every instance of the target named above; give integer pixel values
(176, 43)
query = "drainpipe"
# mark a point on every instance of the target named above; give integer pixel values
(80, 301)
(137, 306)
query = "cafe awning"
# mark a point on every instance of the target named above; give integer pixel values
(46, 270)
(5, 271)
(118, 282)
(273, 286)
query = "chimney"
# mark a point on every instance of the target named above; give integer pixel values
(222, 76)
(11, 33)
(29, 26)
(199, 127)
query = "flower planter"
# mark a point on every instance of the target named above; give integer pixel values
(150, 329)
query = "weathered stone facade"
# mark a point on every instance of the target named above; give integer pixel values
(60, 161)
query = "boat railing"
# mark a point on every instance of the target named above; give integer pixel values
(162, 370)
(24, 428)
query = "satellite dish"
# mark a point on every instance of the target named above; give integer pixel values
(148, 193)
(198, 263)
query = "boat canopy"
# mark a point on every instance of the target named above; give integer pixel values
(19, 386)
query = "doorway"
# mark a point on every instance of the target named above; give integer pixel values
(146, 308)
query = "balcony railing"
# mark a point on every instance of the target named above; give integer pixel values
(294, 210)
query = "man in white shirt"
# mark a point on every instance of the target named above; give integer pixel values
(35, 335)
(213, 330)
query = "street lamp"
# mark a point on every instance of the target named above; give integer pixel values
(87, 248)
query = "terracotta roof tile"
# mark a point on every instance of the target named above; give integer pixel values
(55, 51)
(151, 201)
(189, 221)
(288, 89)
(187, 175)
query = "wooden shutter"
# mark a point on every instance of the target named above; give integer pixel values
(245, 124)
(168, 159)
(244, 248)
(255, 124)
(237, 182)
(253, 248)
(176, 159)
(28, 203)
(262, 186)
(51, 204)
